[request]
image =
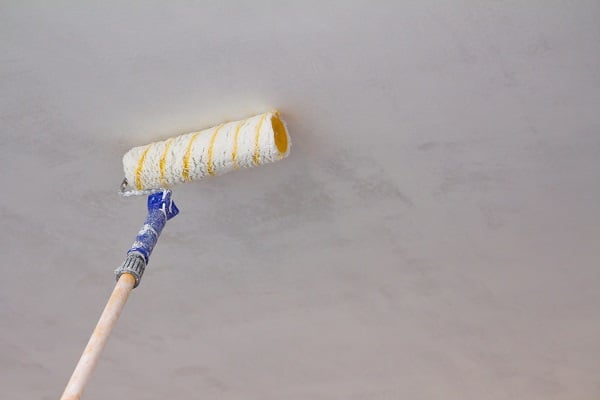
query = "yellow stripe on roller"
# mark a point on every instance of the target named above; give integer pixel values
(256, 156)
(211, 167)
(163, 162)
(235, 144)
(186, 158)
(140, 166)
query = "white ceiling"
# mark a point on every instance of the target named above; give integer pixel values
(434, 233)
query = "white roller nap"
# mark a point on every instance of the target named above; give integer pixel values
(241, 144)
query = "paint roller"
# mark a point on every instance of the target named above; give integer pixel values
(153, 169)
(241, 144)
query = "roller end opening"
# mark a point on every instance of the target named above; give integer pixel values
(280, 134)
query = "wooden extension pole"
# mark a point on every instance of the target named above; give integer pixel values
(108, 319)
(161, 208)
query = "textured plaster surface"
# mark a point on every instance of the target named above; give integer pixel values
(433, 235)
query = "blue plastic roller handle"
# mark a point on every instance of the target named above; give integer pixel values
(160, 209)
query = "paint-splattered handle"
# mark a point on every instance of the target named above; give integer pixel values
(161, 208)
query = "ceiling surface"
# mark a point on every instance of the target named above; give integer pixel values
(433, 234)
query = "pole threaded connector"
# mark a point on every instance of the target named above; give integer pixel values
(134, 264)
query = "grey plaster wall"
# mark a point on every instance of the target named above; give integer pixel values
(433, 235)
